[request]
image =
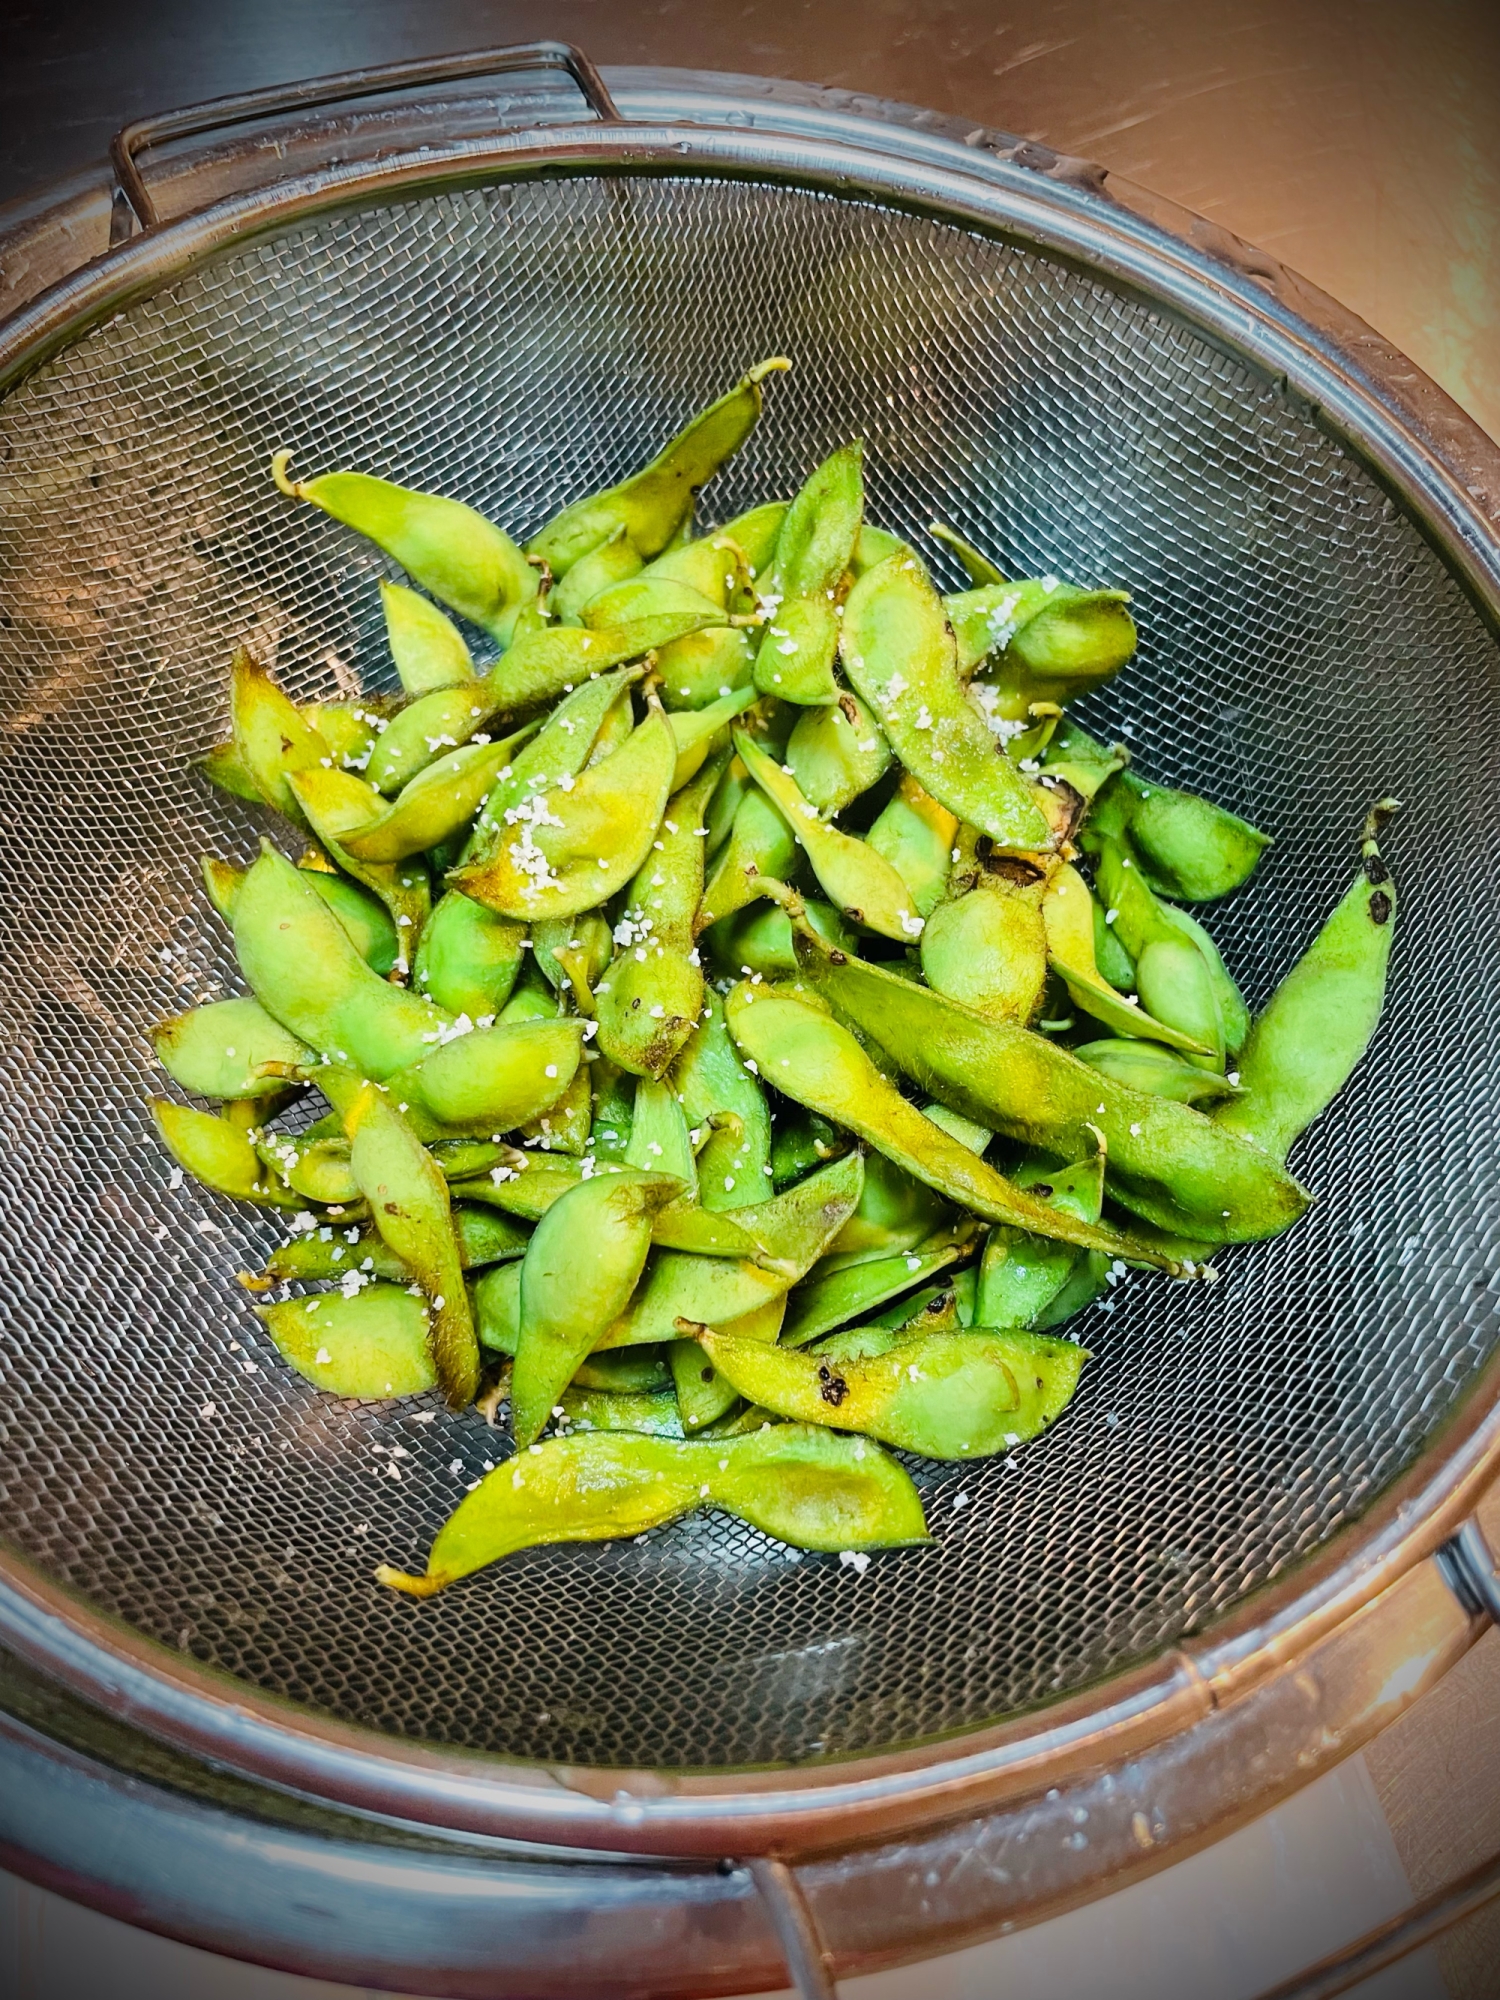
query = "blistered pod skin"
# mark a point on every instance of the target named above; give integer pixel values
(305, 970)
(899, 653)
(428, 648)
(819, 1062)
(579, 1271)
(1319, 1021)
(653, 503)
(409, 1205)
(945, 1396)
(814, 548)
(1166, 1161)
(468, 957)
(464, 560)
(989, 949)
(371, 1345)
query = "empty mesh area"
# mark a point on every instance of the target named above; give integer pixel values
(1303, 650)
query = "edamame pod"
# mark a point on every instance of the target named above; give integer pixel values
(489, 1081)
(703, 1395)
(220, 1050)
(409, 1206)
(336, 804)
(1319, 1021)
(465, 561)
(863, 885)
(272, 738)
(819, 1062)
(945, 1395)
(989, 949)
(896, 1212)
(1020, 1274)
(1068, 918)
(1179, 973)
(760, 848)
(759, 938)
(915, 834)
(651, 1413)
(659, 1139)
(821, 1303)
(715, 1289)
(715, 1089)
(436, 804)
(314, 1164)
(653, 503)
(576, 845)
(814, 548)
(367, 921)
(369, 1344)
(579, 1271)
(755, 533)
(428, 649)
(698, 732)
(484, 1236)
(652, 994)
(1146, 1066)
(977, 567)
(306, 972)
(615, 559)
(537, 669)
(899, 653)
(1166, 1162)
(705, 666)
(218, 1152)
(468, 957)
(837, 752)
(806, 1487)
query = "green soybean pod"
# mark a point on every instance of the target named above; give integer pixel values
(220, 1050)
(409, 1205)
(615, 559)
(468, 957)
(272, 738)
(760, 847)
(989, 949)
(652, 504)
(577, 1276)
(716, 1091)
(1149, 1067)
(915, 834)
(837, 1297)
(944, 1395)
(449, 549)
(217, 1152)
(373, 1344)
(814, 548)
(1318, 1023)
(428, 648)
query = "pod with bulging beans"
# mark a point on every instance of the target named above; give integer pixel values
(814, 547)
(804, 1486)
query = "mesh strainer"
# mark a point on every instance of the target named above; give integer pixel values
(514, 321)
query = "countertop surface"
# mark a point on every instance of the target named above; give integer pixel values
(1359, 140)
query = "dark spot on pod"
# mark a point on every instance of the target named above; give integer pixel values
(708, 1374)
(838, 958)
(1011, 868)
(834, 1388)
(1375, 869)
(984, 845)
(633, 1005)
(857, 915)
(1042, 1190)
(1380, 907)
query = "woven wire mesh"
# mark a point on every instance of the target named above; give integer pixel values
(1302, 650)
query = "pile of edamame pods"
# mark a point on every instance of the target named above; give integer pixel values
(753, 1018)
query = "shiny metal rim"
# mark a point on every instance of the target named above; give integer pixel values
(1448, 476)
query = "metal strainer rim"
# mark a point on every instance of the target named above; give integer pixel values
(1444, 470)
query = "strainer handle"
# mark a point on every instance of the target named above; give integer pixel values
(314, 91)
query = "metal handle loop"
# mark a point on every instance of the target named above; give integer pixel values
(142, 133)
(796, 1931)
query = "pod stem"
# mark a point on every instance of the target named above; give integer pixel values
(292, 488)
(412, 1586)
(1375, 819)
